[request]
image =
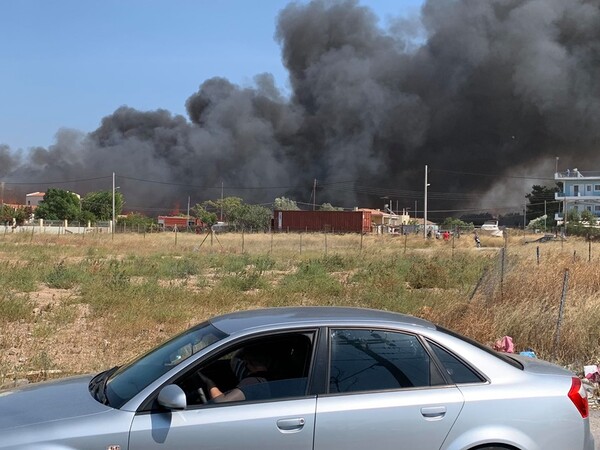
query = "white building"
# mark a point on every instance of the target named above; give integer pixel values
(34, 198)
(580, 192)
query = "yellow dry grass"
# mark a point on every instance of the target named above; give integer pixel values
(66, 331)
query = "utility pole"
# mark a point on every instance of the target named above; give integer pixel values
(315, 194)
(221, 201)
(545, 217)
(425, 206)
(2, 194)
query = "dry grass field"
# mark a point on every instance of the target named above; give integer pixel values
(75, 304)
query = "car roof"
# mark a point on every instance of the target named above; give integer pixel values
(311, 316)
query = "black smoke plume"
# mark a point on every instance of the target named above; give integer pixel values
(471, 87)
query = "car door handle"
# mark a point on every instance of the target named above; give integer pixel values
(291, 424)
(434, 412)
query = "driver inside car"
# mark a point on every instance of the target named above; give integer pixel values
(251, 366)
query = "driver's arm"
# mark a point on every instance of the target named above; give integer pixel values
(235, 395)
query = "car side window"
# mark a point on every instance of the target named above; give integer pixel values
(373, 360)
(265, 368)
(459, 372)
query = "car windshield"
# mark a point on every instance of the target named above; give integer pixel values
(132, 378)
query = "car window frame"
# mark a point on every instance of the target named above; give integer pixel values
(433, 361)
(149, 405)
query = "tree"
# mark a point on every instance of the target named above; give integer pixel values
(450, 223)
(285, 204)
(541, 201)
(329, 207)
(20, 215)
(238, 214)
(58, 204)
(588, 217)
(100, 204)
(207, 217)
(573, 216)
(230, 208)
(254, 217)
(139, 221)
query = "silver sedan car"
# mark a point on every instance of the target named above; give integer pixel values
(303, 378)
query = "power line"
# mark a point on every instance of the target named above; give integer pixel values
(169, 183)
(493, 175)
(81, 180)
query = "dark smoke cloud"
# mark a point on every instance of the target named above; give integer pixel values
(475, 86)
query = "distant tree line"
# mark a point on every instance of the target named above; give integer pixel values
(59, 204)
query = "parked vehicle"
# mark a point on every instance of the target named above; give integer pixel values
(330, 378)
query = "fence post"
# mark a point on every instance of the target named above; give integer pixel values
(563, 298)
(502, 263)
(537, 253)
(175, 236)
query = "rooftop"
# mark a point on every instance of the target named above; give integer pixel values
(309, 316)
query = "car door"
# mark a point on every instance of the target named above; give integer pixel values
(279, 414)
(385, 392)
(282, 424)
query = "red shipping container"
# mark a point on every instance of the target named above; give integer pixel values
(181, 222)
(325, 221)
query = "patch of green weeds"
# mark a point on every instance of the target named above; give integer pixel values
(311, 278)
(15, 307)
(444, 273)
(245, 280)
(231, 263)
(41, 361)
(63, 276)
(43, 330)
(21, 277)
(63, 315)
(336, 262)
(262, 263)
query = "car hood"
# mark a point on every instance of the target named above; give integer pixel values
(49, 401)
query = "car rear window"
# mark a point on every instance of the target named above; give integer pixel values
(458, 371)
(488, 350)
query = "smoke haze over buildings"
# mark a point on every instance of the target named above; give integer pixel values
(497, 87)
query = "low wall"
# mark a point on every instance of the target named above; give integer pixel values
(36, 229)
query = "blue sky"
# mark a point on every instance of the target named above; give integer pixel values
(68, 63)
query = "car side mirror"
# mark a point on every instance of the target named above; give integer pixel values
(172, 397)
